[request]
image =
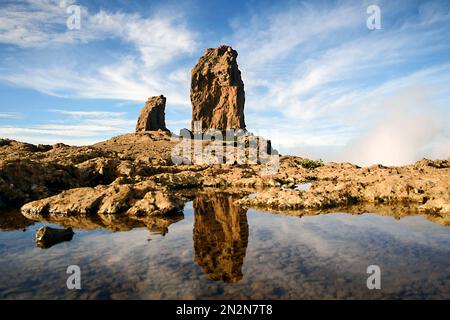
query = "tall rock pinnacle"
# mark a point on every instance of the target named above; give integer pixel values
(152, 117)
(217, 91)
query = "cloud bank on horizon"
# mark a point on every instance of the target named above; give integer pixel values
(318, 82)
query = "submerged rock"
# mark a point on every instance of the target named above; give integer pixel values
(217, 91)
(47, 237)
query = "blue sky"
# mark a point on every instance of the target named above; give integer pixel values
(318, 82)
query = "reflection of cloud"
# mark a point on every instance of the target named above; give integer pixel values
(323, 256)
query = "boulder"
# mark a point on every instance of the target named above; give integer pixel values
(139, 199)
(152, 117)
(47, 237)
(217, 91)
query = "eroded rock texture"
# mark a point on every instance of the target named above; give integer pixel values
(152, 117)
(132, 178)
(220, 237)
(136, 200)
(217, 91)
(115, 207)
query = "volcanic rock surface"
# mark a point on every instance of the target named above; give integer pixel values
(152, 117)
(217, 91)
(133, 176)
(47, 237)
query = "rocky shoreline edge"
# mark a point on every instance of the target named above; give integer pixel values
(133, 176)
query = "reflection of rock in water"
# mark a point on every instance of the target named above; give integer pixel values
(114, 223)
(220, 237)
(12, 219)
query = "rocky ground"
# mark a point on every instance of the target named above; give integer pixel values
(133, 177)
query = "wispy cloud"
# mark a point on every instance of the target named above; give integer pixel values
(73, 127)
(267, 40)
(33, 23)
(9, 115)
(89, 113)
(152, 45)
(42, 23)
(318, 77)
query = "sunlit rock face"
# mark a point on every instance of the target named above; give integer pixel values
(220, 237)
(114, 208)
(217, 91)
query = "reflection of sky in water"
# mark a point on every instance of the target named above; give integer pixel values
(322, 256)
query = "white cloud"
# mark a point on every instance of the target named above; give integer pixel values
(75, 127)
(32, 23)
(58, 130)
(9, 115)
(182, 123)
(411, 128)
(310, 66)
(42, 23)
(142, 72)
(158, 40)
(125, 80)
(51, 139)
(89, 113)
(267, 39)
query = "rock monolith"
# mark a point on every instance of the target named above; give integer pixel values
(152, 117)
(217, 91)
